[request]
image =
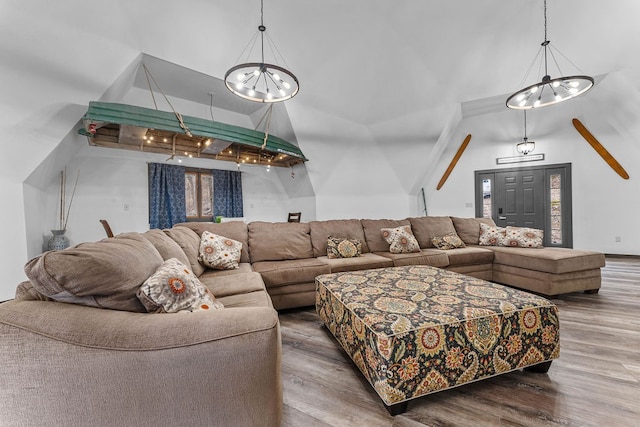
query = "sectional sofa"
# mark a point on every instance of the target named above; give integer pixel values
(289, 256)
(78, 347)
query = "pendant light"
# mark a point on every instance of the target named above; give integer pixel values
(261, 81)
(526, 146)
(549, 91)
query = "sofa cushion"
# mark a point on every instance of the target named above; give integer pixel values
(426, 228)
(347, 228)
(401, 240)
(290, 272)
(373, 235)
(523, 237)
(275, 241)
(468, 229)
(189, 241)
(222, 286)
(103, 274)
(550, 260)
(167, 247)
(173, 288)
(219, 252)
(448, 242)
(432, 257)
(340, 247)
(470, 255)
(491, 236)
(243, 267)
(236, 230)
(363, 262)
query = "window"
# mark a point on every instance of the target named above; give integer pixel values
(198, 192)
(555, 190)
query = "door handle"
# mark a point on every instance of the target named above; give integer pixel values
(502, 217)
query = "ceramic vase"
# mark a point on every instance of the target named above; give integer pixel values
(58, 241)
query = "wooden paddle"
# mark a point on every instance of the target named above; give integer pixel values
(454, 161)
(606, 156)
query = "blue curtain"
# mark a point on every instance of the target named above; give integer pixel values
(227, 193)
(166, 195)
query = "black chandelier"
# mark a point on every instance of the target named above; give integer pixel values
(549, 90)
(260, 81)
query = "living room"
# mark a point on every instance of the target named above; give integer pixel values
(388, 93)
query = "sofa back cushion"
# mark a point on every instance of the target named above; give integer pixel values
(468, 229)
(373, 234)
(427, 227)
(104, 274)
(167, 247)
(189, 242)
(235, 230)
(276, 241)
(339, 228)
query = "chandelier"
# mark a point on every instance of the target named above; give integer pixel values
(549, 90)
(261, 81)
(526, 146)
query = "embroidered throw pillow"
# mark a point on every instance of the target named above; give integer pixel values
(401, 239)
(218, 252)
(491, 236)
(173, 288)
(338, 247)
(523, 237)
(448, 241)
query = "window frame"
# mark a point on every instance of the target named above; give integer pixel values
(199, 173)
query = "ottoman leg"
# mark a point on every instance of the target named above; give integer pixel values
(540, 368)
(397, 409)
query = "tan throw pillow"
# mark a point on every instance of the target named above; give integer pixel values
(400, 239)
(448, 242)
(173, 288)
(339, 247)
(219, 252)
(523, 237)
(491, 236)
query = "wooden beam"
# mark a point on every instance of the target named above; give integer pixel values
(606, 156)
(454, 161)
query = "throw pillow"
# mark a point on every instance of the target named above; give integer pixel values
(448, 241)
(219, 252)
(338, 247)
(523, 237)
(173, 288)
(491, 236)
(400, 239)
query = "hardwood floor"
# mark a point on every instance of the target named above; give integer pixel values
(595, 382)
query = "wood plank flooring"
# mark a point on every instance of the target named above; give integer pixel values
(595, 382)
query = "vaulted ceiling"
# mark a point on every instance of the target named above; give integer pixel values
(371, 71)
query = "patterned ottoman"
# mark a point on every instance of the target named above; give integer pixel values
(416, 330)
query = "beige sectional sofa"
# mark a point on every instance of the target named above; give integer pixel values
(289, 256)
(103, 361)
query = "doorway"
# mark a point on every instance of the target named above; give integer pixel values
(536, 197)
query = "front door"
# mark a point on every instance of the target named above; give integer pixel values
(519, 198)
(536, 197)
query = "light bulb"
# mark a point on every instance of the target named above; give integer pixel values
(520, 97)
(555, 84)
(534, 89)
(190, 155)
(239, 85)
(276, 76)
(286, 85)
(256, 73)
(151, 137)
(574, 83)
(240, 76)
(537, 103)
(573, 90)
(179, 160)
(523, 103)
(558, 98)
(269, 95)
(282, 92)
(252, 91)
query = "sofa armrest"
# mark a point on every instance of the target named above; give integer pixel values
(68, 364)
